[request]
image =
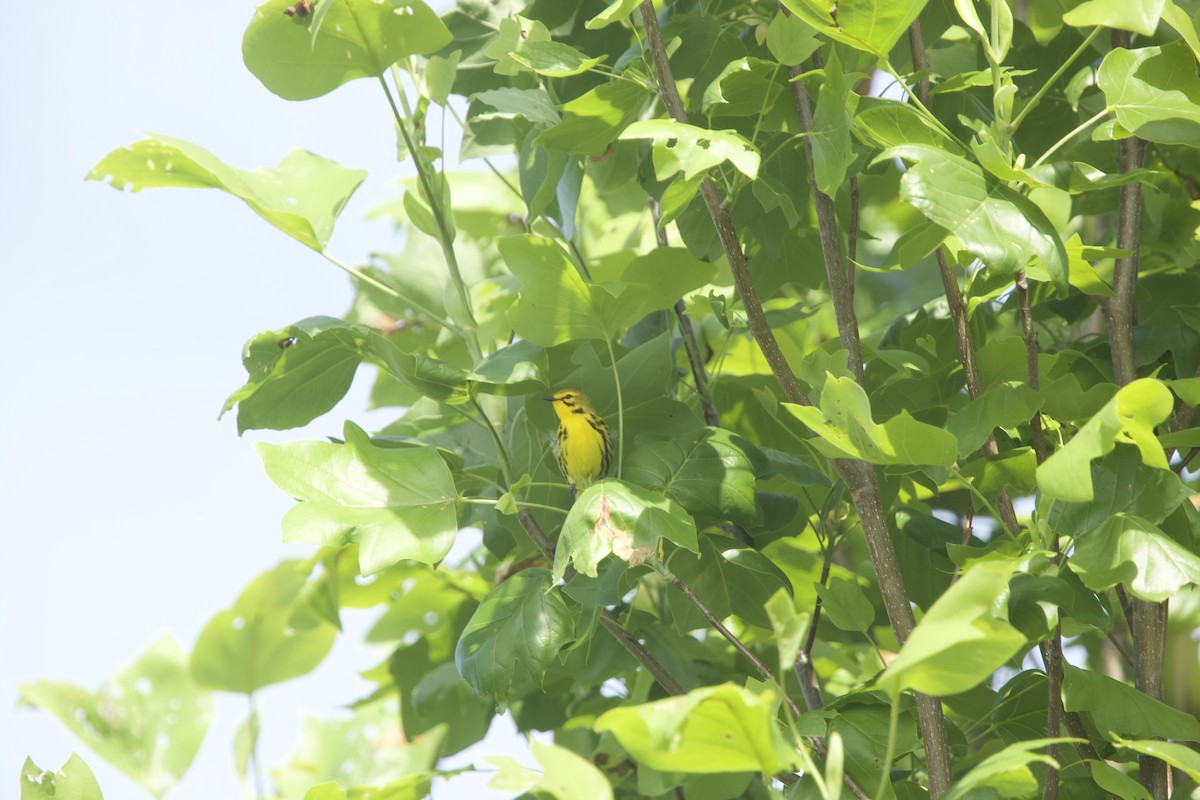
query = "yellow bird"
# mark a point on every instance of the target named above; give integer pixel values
(581, 445)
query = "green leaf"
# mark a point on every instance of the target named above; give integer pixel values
(553, 59)
(790, 40)
(556, 305)
(245, 743)
(1004, 405)
(1117, 783)
(252, 644)
(513, 637)
(330, 790)
(1155, 91)
(147, 720)
(729, 578)
(1132, 550)
(1005, 230)
(74, 781)
(789, 626)
(397, 503)
(567, 776)
(846, 430)
(713, 729)
(532, 104)
(616, 11)
(295, 374)
(358, 39)
(596, 118)
(1129, 417)
(519, 368)
(1179, 756)
(889, 123)
(302, 197)
(848, 608)
(710, 474)
(613, 516)
(833, 151)
(1141, 17)
(871, 25)
(668, 273)
(682, 147)
(365, 751)
(1005, 774)
(960, 641)
(1117, 708)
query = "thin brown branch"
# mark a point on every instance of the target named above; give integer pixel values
(859, 477)
(690, 346)
(607, 619)
(1149, 619)
(763, 670)
(810, 687)
(852, 234)
(1036, 435)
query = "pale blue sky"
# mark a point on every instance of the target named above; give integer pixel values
(127, 510)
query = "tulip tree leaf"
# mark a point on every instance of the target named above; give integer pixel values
(959, 642)
(397, 503)
(612, 516)
(1005, 405)
(682, 147)
(252, 644)
(513, 636)
(147, 720)
(1134, 551)
(556, 305)
(75, 781)
(1181, 757)
(710, 474)
(712, 729)
(302, 197)
(1139, 17)
(1154, 91)
(870, 25)
(845, 429)
(357, 39)
(1129, 417)
(1002, 228)
(1118, 708)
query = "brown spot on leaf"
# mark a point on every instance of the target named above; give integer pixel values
(622, 540)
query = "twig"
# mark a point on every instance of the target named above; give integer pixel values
(1036, 435)
(699, 373)
(607, 620)
(763, 670)
(805, 674)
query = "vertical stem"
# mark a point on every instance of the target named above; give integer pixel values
(690, 346)
(612, 356)
(435, 204)
(1036, 434)
(1149, 619)
(805, 673)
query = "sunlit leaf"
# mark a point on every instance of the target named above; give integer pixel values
(1129, 417)
(846, 430)
(397, 503)
(1155, 91)
(870, 25)
(302, 197)
(960, 641)
(1117, 708)
(714, 729)
(1134, 551)
(74, 781)
(357, 39)
(682, 147)
(1141, 17)
(147, 720)
(613, 516)
(252, 644)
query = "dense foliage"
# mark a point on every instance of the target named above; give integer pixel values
(892, 307)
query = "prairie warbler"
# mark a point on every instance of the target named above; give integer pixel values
(581, 444)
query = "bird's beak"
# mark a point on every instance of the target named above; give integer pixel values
(548, 399)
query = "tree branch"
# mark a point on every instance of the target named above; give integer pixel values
(1149, 619)
(699, 373)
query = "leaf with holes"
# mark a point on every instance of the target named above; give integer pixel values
(147, 720)
(75, 781)
(302, 197)
(682, 147)
(251, 644)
